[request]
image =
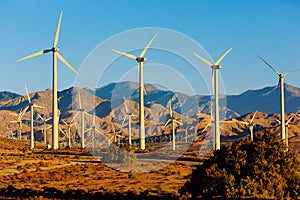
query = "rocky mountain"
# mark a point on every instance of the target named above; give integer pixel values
(5, 96)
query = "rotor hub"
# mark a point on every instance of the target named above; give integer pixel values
(55, 49)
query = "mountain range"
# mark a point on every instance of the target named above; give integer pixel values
(106, 98)
(107, 103)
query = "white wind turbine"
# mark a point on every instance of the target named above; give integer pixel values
(93, 129)
(44, 120)
(287, 124)
(250, 125)
(281, 83)
(128, 115)
(215, 82)
(140, 60)
(31, 105)
(69, 125)
(83, 112)
(19, 122)
(56, 55)
(174, 121)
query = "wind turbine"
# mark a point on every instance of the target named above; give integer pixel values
(44, 120)
(69, 125)
(93, 129)
(250, 125)
(82, 111)
(215, 67)
(140, 60)
(281, 83)
(287, 124)
(19, 122)
(56, 55)
(128, 115)
(31, 105)
(172, 120)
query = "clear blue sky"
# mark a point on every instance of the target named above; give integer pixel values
(270, 28)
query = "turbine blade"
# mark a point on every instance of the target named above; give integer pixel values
(13, 121)
(64, 122)
(126, 108)
(167, 122)
(253, 117)
(170, 109)
(33, 55)
(57, 31)
(289, 72)
(274, 70)
(87, 130)
(79, 100)
(278, 121)
(148, 45)
(206, 127)
(123, 121)
(74, 117)
(223, 56)
(204, 60)
(246, 123)
(98, 131)
(23, 112)
(28, 97)
(38, 106)
(38, 114)
(125, 54)
(66, 63)
(290, 119)
(178, 122)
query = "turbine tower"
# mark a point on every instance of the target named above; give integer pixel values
(140, 60)
(281, 83)
(56, 55)
(128, 115)
(174, 121)
(31, 105)
(215, 82)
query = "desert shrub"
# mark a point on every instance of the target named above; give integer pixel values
(132, 174)
(262, 168)
(118, 155)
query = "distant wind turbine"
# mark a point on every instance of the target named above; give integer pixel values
(56, 55)
(93, 129)
(250, 125)
(128, 115)
(19, 122)
(83, 112)
(215, 67)
(31, 105)
(69, 125)
(140, 60)
(44, 120)
(174, 121)
(281, 83)
(287, 124)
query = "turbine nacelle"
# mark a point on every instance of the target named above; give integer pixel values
(282, 75)
(139, 59)
(216, 67)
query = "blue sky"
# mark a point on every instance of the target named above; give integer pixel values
(270, 28)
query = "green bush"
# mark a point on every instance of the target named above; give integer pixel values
(118, 155)
(262, 168)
